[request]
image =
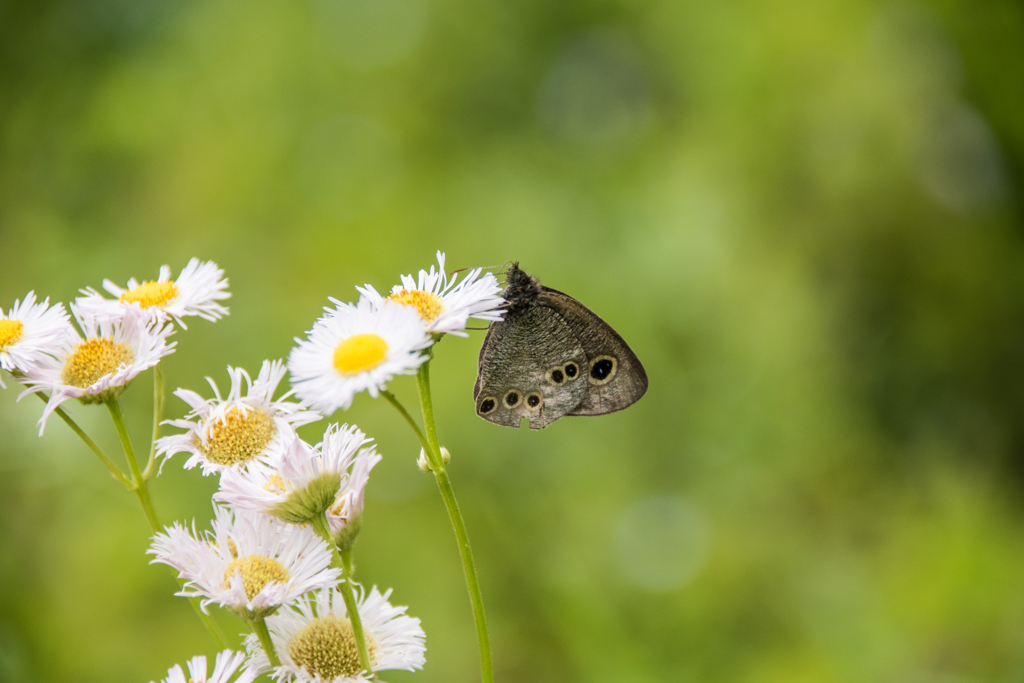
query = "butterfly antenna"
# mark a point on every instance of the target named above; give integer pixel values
(461, 270)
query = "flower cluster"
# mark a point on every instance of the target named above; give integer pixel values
(286, 512)
(265, 558)
(361, 346)
(115, 341)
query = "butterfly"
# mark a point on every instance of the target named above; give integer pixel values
(552, 356)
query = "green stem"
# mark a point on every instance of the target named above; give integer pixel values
(141, 489)
(114, 471)
(117, 474)
(138, 482)
(338, 560)
(211, 626)
(408, 418)
(444, 484)
(259, 626)
(346, 559)
(158, 411)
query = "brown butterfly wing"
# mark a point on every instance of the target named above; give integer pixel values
(613, 374)
(521, 369)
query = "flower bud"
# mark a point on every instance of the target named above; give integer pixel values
(424, 464)
(345, 516)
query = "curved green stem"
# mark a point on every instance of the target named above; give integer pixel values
(338, 560)
(114, 471)
(158, 411)
(259, 627)
(448, 494)
(211, 626)
(408, 418)
(141, 490)
(138, 482)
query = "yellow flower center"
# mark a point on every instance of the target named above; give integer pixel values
(150, 294)
(327, 646)
(360, 353)
(257, 571)
(10, 332)
(275, 484)
(428, 304)
(232, 548)
(240, 437)
(92, 359)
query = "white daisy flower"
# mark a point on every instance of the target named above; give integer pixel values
(31, 331)
(315, 642)
(356, 348)
(303, 484)
(250, 564)
(223, 669)
(98, 367)
(196, 292)
(229, 432)
(446, 305)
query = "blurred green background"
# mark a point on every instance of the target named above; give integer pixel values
(807, 219)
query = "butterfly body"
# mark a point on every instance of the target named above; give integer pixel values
(552, 356)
